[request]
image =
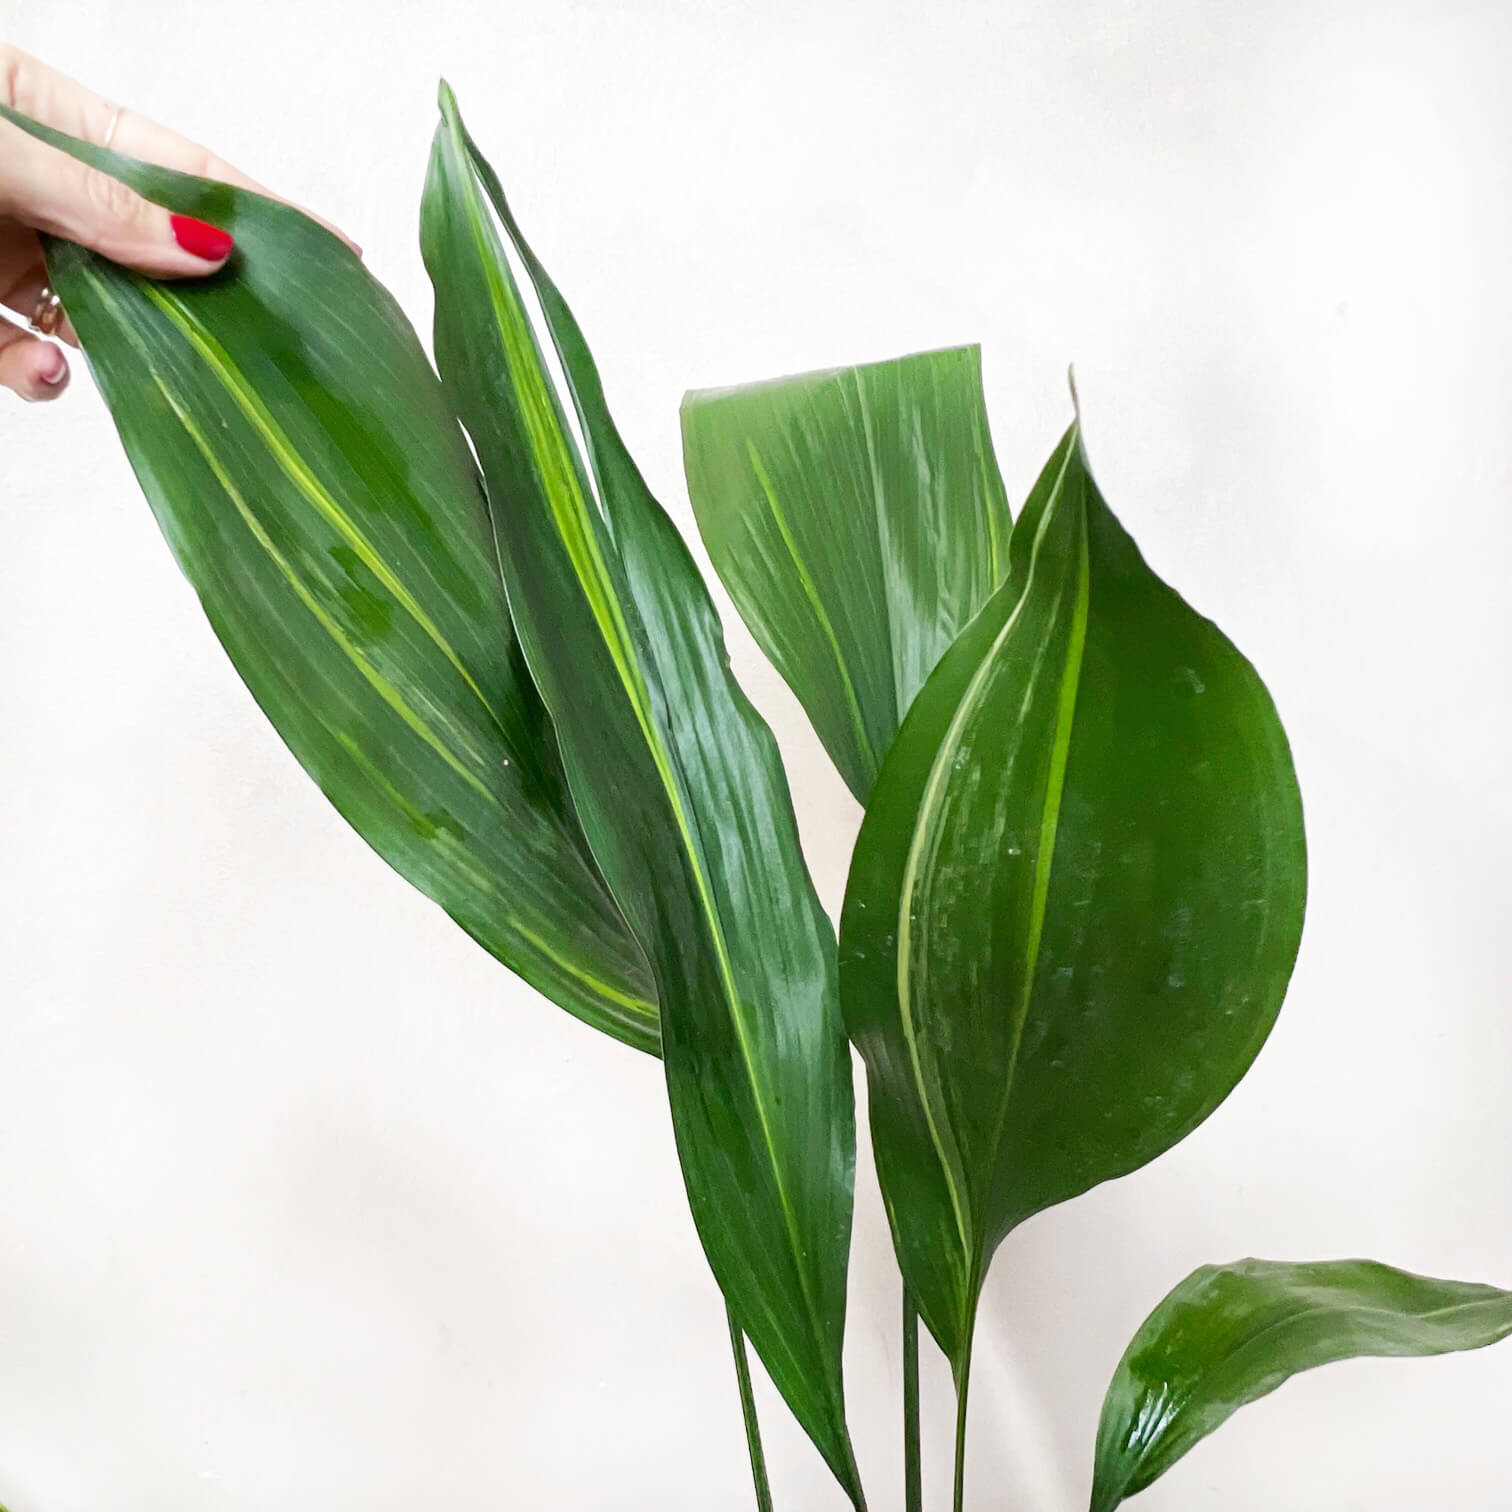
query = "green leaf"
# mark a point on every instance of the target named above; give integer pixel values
(1075, 900)
(681, 793)
(316, 490)
(858, 520)
(1230, 1334)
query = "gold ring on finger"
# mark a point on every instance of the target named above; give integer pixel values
(47, 313)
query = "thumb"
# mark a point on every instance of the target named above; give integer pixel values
(48, 190)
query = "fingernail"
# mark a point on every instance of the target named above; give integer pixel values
(52, 374)
(200, 239)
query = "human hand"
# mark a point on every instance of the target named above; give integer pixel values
(42, 189)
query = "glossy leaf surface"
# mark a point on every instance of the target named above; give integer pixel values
(858, 520)
(316, 490)
(681, 793)
(1230, 1334)
(1075, 901)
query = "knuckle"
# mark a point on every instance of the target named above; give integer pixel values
(114, 200)
(10, 76)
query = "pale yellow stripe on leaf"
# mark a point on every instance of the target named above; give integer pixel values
(569, 509)
(461, 860)
(811, 593)
(929, 811)
(299, 473)
(380, 684)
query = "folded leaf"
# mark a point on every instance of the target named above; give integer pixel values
(858, 520)
(1230, 1334)
(316, 490)
(681, 794)
(1075, 900)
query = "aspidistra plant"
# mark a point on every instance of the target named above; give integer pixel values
(1078, 889)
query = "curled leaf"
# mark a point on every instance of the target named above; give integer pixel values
(1231, 1334)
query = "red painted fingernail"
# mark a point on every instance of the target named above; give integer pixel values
(55, 371)
(200, 239)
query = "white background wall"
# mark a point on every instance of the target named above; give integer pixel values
(306, 1203)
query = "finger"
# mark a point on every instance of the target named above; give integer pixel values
(36, 370)
(53, 192)
(58, 101)
(138, 137)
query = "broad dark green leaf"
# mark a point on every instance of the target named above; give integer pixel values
(1230, 1334)
(858, 520)
(1075, 900)
(301, 459)
(681, 793)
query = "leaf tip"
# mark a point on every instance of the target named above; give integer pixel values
(1079, 445)
(446, 101)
